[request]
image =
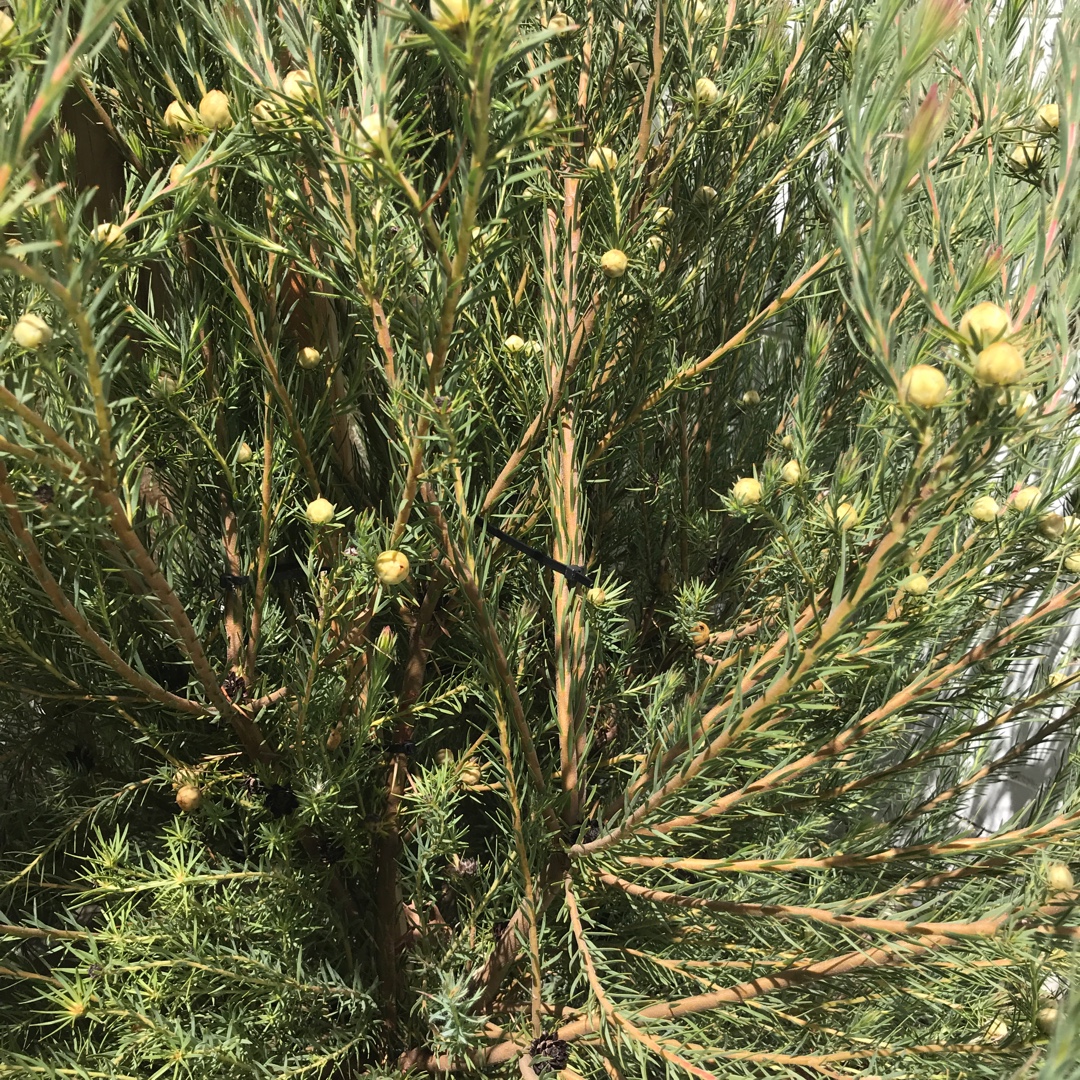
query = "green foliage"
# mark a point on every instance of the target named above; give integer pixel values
(267, 812)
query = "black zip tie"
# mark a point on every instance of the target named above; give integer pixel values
(576, 575)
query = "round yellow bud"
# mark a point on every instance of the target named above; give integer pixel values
(297, 86)
(655, 244)
(843, 517)
(787, 442)
(470, 774)
(309, 358)
(984, 508)
(705, 93)
(1026, 498)
(792, 473)
(320, 511)
(924, 386)
(189, 798)
(375, 133)
(916, 585)
(514, 344)
(770, 130)
(984, 323)
(664, 216)
(751, 397)
(7, 24)
(108, 234)
(699, 634)
(1059, 878)
(333, 739)
(997, 1032)
(176, 175)
(263, 116)
(32, 331)
(1048, 117)
(1072, 562)
(999, 364)
(747, 491)
(1046, 1018)
(1026, 156)
(178, 117)
(560, 22)
(701, 13)
(705, 195)
(603, 157)
(392, 567)
(596, 597)
(614, 262)
(449, 14)
(442, 756)
(1052, 526)
(214, 110)
(244, 454)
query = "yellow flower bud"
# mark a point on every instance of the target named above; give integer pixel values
(770, 130)
(263, 116)
(787, 442)
(603, 157)
(1052, 526)
(984, 323)
(560, 22)
(297, 86)
(1046, 1019)
(392, 567)
(443, 756)
(470, 774)
(320, 511)
(705, 195)
(1026, 498)
(792, 473)
(7, 24)
(596, 597)
(178, 117)
(844, 517)
(1048, 117)
(1059, 878)
(214, 110)
(32, 331)
(614, 262)
(999, 364)
(309, 357)
(1026, 156)
(747, 491)
(108, 234)
(514, 344)
(984, 508)
(1072, 562)
(751, 397)
(244, 454)
(375, 133)
(663, 216)
(176, 175)
(449, 14)
(997, 1032)
(916, 585)
(705, 93)
(924, 386)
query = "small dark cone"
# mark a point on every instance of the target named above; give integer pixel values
(44, 494)
(549, 1053)
(235, 686)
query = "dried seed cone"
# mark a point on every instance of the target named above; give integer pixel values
(614, 262)
(189, 798)
(999, 364)
(747, 491)
(699, 634)
(984, 323)
(1059, 878)
(214, 110)
(923, 385)
(392, 567)
(320, 511)
(32, 331)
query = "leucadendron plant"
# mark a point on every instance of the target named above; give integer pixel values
(530, 537)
